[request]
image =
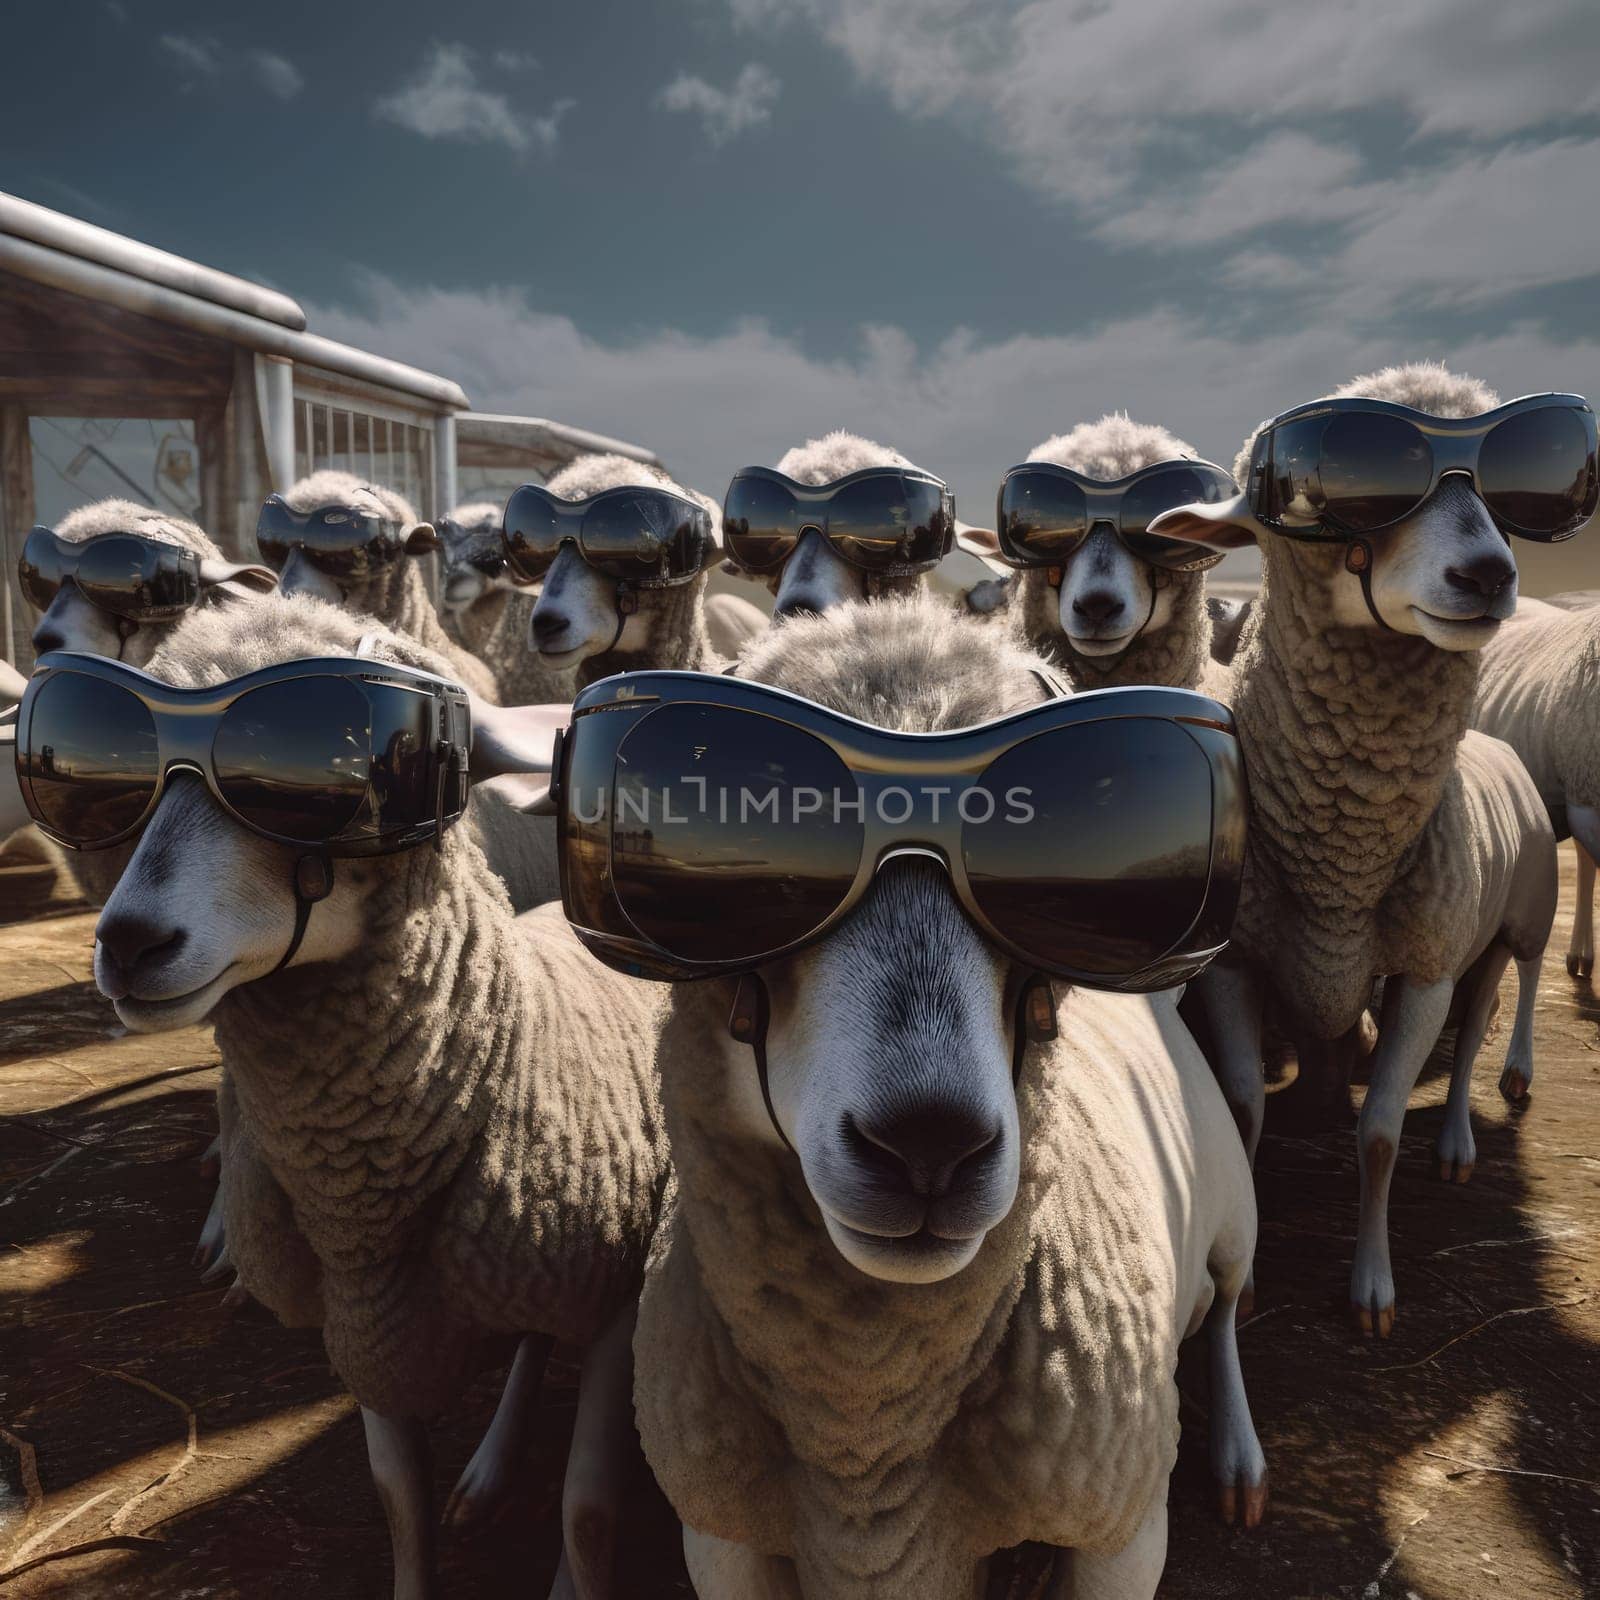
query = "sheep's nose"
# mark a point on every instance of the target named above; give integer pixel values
(47, 637)
(1099, 607)
(1487, 575)
(794, 608)
(547, 625)
(128, 940)
(924, 1151)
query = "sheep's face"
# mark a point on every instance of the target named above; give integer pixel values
(302, 576)
(889, 1066)
(576, 616)
(71, 622)
(464, 586)
(1108, 596)
(205, 905)
(814, 579)
(1445, 574)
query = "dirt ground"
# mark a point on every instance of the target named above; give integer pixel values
(153, 1444)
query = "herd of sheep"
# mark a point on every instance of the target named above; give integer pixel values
(448, 1133)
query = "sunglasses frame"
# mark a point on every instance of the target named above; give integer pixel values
(803, 494)
(1103, 503)
(566, 510)
(187, 720)
(384, 551)
(184, 561)
(1455, 444)
(868, 753)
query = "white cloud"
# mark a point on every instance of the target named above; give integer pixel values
(278, 74)
(200, 58)
(725, 113)
(446, 99)
(966, 408)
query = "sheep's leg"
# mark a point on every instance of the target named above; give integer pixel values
(211, 1249)
(1455, 1148)
(397, 1452)
(1580, 952)
(1517, 1078)
(1134, 1571)
(482, 1490)
(722, 1571)
(604, 1447)
(1413, 1014)
(1238, 1467)
(211, 1160)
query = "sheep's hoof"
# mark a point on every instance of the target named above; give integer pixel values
(481, 1496)
(237, 1296)
(1515, 1085)
(1579, 966)
(211, 1160)
(1454, 1169)
(1243, 1504)
(1374, 1321)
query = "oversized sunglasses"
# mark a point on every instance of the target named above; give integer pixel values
(1340, 469)
(708, 825)
(357, 757)
(343, 543)
(651, 538)
(484, 552)
(889, 520)
(127, 574)
(1045, 512)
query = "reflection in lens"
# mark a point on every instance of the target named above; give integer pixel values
(729, 838)
(1042, 515)
(1098, 852)
(135, 577)
(1145, 500)
(291, 758)
(643, 534)
(892, 521)
(1534, 468)
(91, 759)
(533, 533)
(1374, 470)
(759, 523)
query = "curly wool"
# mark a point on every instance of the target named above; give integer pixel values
(675, 618)
(127, 516)
(1178, 654)
(462, 1116)
(1358, 813)
(888, 1437)
(396, 594)
(1538, 686)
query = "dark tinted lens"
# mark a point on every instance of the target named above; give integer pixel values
(642, 535)
(1043, 517)
(1535, 470)
(342, 543)
(759, 523)
(1374, 470)
(892, 522)
(292, 758)
(90, 761)
(1096, 850)
(533, 534)
(39, 569)
(1162, 491)
(732, 834)
(139, 578)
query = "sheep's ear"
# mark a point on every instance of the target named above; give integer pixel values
(510, 739)
(1228, 525)
(12, 683)
(423, 538)
(984, 543)
(239, 578)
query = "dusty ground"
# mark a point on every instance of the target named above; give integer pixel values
(153, 1445)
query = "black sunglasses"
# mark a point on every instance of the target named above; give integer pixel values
(1340, 469)
(127, 574)
(708, 825)
(651, 538)
(344, 543)
(893, 521)
(1045, 512)
(358, 757)
(482, 551)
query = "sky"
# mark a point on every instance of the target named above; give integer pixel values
(718, 227)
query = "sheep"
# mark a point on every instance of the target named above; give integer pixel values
(576, 623)
(1536, 691)
(814, 578)
(396, 594)
(442, 1124)
(1385, 839)
(1114, 618)
(843, 1415)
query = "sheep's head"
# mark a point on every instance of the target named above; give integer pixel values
(577, 615)
(72, 622)
(1445, 573)
(474, 565)
(385, 593)
(889, 1043)
(203, 904)
(814, 579)
(1108, 596)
